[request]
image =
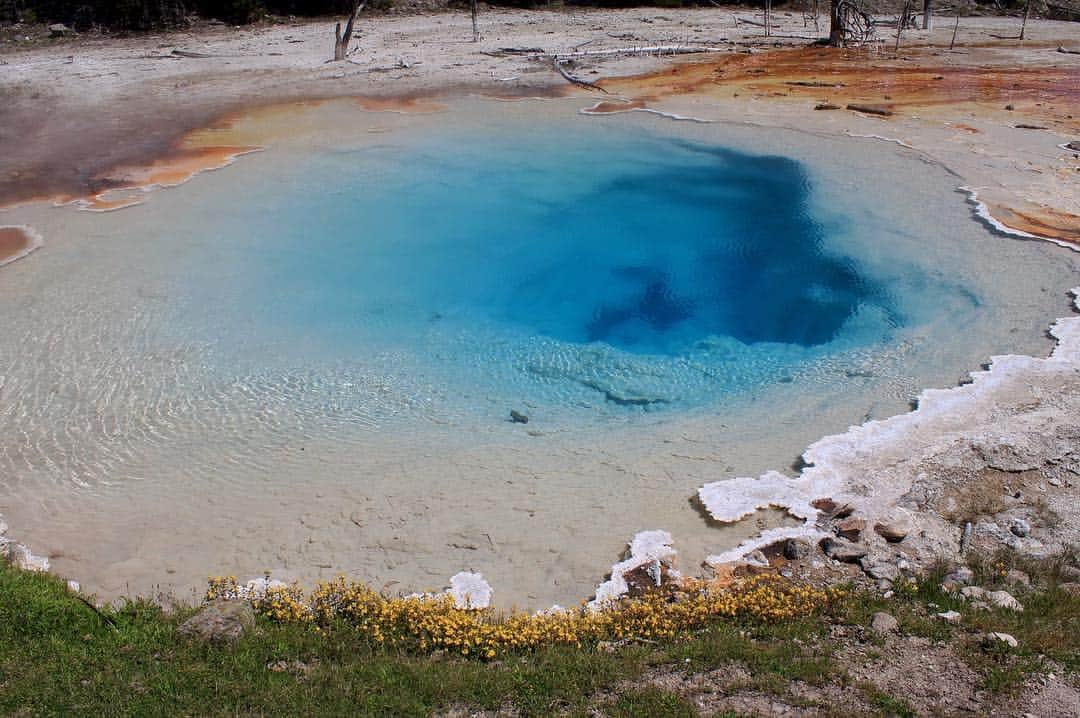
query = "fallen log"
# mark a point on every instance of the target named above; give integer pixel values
(574, 80)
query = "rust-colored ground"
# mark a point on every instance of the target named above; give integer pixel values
(14, 242)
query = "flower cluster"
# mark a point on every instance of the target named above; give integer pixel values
(427, 623)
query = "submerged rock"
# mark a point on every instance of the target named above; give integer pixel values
(518, 418)
(220, 621)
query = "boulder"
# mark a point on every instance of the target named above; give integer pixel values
(220, 621)
(839, 549)
(795, 549)
(60, 30)
(1003, 599)
(884, 623)
(850, 528)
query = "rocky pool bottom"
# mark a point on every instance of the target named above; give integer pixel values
(173, 412)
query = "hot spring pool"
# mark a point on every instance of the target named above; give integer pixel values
(306, 362)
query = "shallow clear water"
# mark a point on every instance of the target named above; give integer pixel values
(307, 360)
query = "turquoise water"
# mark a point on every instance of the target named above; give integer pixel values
(616, 268)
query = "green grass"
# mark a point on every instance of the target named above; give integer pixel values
(58, 657)
(652, 702)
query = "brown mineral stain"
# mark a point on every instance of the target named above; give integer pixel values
(605, 107)
(408, 105)
(859, 76)
(16, 242)
(1040, 221)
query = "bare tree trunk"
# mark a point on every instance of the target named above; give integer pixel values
(836, 25)
(475, 29)
(768, 17)
(956, 28)
(342, 40)
(1027, 11)
(928, 15)
(901, 22)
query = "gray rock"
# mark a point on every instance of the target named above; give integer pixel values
(884, 623)
(220, 620)
(60, 30)
(894, 530)
(841, 550)
(1002, 638)
(1004, 599)
(1017, 578)
(1020, 527)
(1070, 573)
(517, 417)
(980, 606)
(881, 570)
(795, 549)
(960, 577)
(949, 616)
(973, 593)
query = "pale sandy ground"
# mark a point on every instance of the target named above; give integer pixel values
(72, 104)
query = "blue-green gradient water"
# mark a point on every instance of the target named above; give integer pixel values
(616, 268)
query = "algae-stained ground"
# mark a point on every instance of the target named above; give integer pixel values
(58, 656)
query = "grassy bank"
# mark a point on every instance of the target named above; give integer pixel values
(58, 656)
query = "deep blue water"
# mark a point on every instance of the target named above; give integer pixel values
(633, 268)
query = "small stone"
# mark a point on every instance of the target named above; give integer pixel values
(220, 620)
(845, 551)
(980, 606)
(851, 528)
(1020, 528)
(881, 570)
(59, 30)
(1002, 638)
(826, 106)
(1074, 146)
(1017, 578)
(871, 109)
(74, 586)
(893, 531)
(1053, 480)
(962, 576)
(1070, 573)
(884, 623)
(1004, 599)
(517, 417)
(605, 647)
(786, 572)
(973, 593)
(949, 616)
(1070, 587)
(1010, 108)
(795, 549)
